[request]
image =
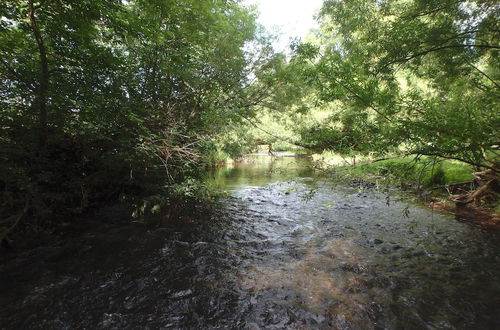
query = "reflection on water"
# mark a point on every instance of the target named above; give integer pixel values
(287, 251)
(261, 170)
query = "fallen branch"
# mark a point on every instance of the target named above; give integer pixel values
(15, 219)
(488, 188)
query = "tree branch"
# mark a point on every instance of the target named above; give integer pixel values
(427, 51)
(44, 76)
(494, 169)
(484, 74)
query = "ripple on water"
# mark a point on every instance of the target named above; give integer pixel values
(283, 252)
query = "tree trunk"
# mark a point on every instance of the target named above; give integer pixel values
(44, 79)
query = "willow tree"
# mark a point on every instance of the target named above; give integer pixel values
(416, 76)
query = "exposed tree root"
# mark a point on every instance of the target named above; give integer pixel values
(487, 190)
(471, 205)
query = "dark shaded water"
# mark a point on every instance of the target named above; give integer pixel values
(287, 251)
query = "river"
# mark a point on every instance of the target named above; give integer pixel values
(288, 249)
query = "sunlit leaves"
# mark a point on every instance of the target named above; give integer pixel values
(418, 75)
(131, 85)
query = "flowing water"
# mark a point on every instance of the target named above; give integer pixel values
(288, 250)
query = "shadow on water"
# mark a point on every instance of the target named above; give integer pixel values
(288, 250)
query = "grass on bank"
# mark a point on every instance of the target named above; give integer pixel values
(406, 170)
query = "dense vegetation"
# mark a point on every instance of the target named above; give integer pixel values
(404, 78)
(413, 76)
(103, 100)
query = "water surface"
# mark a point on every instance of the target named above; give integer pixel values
(288, 249)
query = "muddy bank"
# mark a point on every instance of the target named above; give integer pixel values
(473, 214)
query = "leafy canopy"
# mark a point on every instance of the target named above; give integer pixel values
(416, 76)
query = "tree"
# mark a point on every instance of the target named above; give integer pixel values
(107, 98)
(415, 76)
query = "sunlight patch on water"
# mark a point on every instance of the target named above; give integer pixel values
(333, 280)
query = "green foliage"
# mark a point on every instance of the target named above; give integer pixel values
(101, 100)
(185, 197)
(438, 176)
(106, 99)
(418, 77)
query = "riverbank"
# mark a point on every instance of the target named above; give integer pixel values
(437, 184)
(180, 209)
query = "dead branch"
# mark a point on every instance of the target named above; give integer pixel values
(15, 219)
